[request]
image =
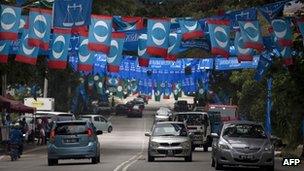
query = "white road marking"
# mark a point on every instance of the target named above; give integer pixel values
(127, 166)
(123, 163)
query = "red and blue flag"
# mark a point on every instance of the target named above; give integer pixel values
(158, 37)
(40, 28)
(100, 33)
(251, 34)
(85, 56)
(114, 57)
(175, 40)
(243, 54)
(219, 32)
(4, 50)
(9, 19)
(282, 31)
(190, 29)
(143, 57)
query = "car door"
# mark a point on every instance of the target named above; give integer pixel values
(104, 124)
(97, 123)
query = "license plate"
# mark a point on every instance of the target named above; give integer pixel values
(74, 140)
(247, 157)
(170, 153)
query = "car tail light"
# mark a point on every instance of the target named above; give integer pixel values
(52, 136)
(90, 132)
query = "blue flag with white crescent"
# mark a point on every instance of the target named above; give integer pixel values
(143, 57)
(219, 32)
(158, 37)
(263, 65)
(286, 53)
(167, 91)
(59, 54)
(4, 50)
(24, 23)
(40, 28)
(26, 54)
(190, 29)
(282, 31)
(175, 40)
(243, 54)
(72, 13)
(114, 57)
(251, 34)
(100, 33)
(86, 57)
(271, 11)
(9, 19)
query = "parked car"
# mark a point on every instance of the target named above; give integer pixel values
(73, 140)
(140, 102)
(99, 121)
(242, 143)
(163, 114)
(122, 109)
(136, 111)
(169, 139)
(197, 123)
(181, 106)
(57, 116)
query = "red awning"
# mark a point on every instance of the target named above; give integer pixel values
(15, 106)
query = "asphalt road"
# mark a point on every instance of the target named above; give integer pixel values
(123, 149)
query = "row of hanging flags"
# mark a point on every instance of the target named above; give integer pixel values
(106, 34)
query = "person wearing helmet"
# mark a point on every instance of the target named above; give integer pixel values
(16, 137)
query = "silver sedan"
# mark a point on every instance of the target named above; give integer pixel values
(169, 139)
(242, 143)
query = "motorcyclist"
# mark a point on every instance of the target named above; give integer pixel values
(16, 138)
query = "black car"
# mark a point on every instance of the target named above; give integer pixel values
(122, 109)
(181, 106)
(137, 111)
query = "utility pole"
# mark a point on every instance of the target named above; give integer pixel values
(269, 106)
(45, 86)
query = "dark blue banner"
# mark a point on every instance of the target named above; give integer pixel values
(242, 15)
(232, 63)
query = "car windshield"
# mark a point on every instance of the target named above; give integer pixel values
(170, 129)
(71, 128)
(191, 119)
(244, 131)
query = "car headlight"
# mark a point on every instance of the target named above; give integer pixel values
(186, 144)
(223, 145)
(154, 144)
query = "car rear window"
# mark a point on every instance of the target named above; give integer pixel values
(70, 128)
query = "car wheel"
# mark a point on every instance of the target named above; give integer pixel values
(150, 158)
(52, 162)
(212, 163)
(188, 158)
(110, 129)
(218, 166)
(94, 160)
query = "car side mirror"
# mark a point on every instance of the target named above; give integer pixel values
(99, 132)
(148, 134)
(214, 135)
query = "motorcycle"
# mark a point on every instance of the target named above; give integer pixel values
(14, 151)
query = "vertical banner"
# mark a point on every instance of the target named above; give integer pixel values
(190, 29)
(114, 57)
(85, 56)
(251, 34)
(10, 20)
(243, 54)
(24, 23)
(167, 91)
(26, 54)
(219, 32)
(282, 31)
(59, 54)
(72, 13)
(286, 55)
(143, 57)
(158, 37)
(99, 84)
(174, 45)
(157, 91)
(4, 50)
(269, 107)
(264, 64)
(100, 33)
(40, 28)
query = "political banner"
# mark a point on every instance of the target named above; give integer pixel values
(243, 54)
(59, 54)
(100, 33)
(128, 23)
(10, 20)
(286, 53)
(143, 57)
(72, 13)
(167, 90)
(24, 23)
(241, 15)
(26, 54)
(251, 34)
(98, 82)
(158, 37)
(114, 57)
(263, 65)
(190, 29)
(39, 28)
(300, 23)
(282, 31)
(219, 32)
(174, 46)
(4, 50)
(157, 92)
(85, 56)
(273, 10)
(233, 63)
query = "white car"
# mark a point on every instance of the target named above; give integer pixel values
(163, 114)
(100, 122)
